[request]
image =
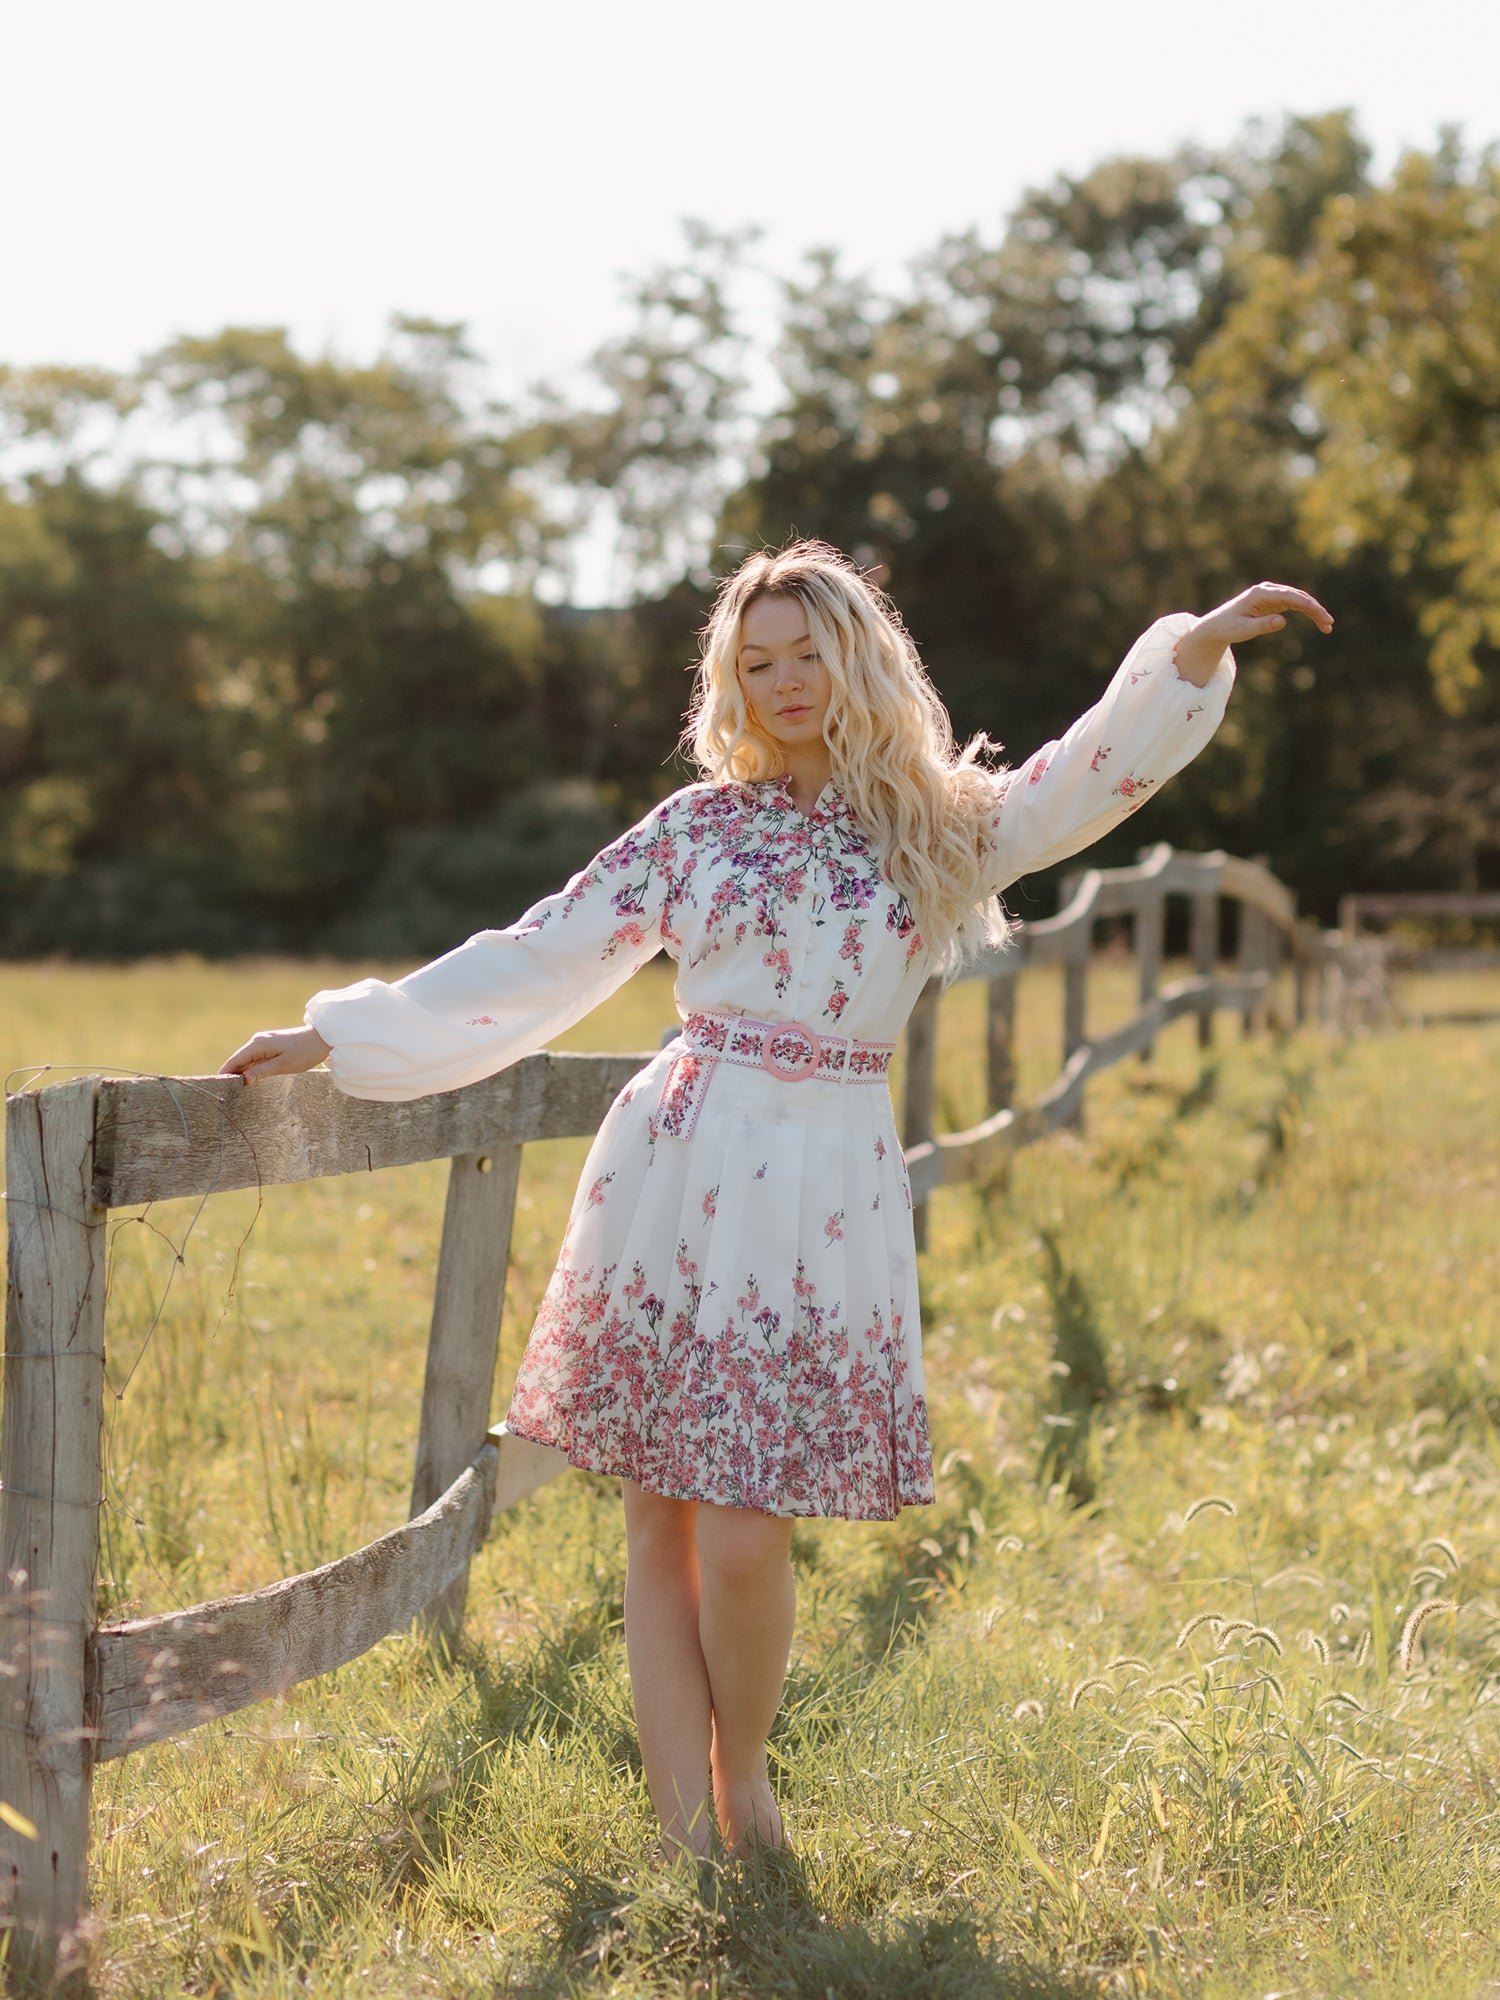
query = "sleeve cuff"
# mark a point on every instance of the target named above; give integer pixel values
(1175, 626)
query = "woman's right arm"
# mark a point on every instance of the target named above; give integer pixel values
(497, 998)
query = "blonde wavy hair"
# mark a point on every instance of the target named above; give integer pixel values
(921, 800)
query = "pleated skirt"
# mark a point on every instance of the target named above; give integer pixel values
(734, 1314)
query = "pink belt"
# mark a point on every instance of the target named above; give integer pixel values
(788, 1050)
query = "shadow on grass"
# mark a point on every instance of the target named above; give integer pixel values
(1072, 1455)
(539, 1685)
(756, 1928)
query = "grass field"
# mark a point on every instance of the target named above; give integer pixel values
(1068, 1733)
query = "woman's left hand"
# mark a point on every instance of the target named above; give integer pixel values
(1261, 608)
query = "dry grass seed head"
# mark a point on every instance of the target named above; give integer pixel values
(1341, 1698)
(1128, 1660)
(1186, 1689)
(1443, 1547)
(1411, 1631)
(1363, 1653)
(1311, 1641)
(1211, 1503)
(1028, 1711)
(1214, 1618)
(1087, 1687)
(1266, 1637)
(1427, 1573)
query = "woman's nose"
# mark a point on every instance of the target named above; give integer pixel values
(789, 674)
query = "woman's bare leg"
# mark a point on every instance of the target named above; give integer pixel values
(668, 1678)
(747, 1602)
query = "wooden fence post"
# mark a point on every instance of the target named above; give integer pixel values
(1150, 938)
(1275, 957)
(1300, 974)
(1075, 1001)
(1250, 956)
(1205, 946)
(465, 1340)
(1000, 1041)
(919, 1093)
(50, 1463)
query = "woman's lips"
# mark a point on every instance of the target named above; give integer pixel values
(791, 714)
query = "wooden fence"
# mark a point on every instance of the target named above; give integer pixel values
(1330, 980)
(1362, 920)
(76, 1693)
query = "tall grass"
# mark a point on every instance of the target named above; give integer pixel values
(1187, 1684)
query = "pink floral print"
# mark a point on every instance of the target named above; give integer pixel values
(734, 1314)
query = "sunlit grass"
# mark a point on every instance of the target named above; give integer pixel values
(1060, 1735)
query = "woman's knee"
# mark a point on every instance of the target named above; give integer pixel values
(740, 1548)
(658, 1531)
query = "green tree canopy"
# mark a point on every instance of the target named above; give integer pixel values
(282, 656)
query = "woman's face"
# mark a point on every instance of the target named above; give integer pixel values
(786, 685)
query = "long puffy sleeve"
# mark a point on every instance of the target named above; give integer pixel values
(506, 992)
(1148, 723)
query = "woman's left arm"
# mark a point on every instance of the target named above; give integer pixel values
(1162, 706)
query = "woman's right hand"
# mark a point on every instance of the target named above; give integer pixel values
(276, 1052)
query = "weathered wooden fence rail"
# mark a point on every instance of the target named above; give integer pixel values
(1329, 979)
(1362, 922)
(74, 1693)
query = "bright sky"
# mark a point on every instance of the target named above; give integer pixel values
(170, 166)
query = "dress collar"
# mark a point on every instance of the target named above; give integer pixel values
(829, 804)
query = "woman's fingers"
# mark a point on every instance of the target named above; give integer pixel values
(276, 1052)
(1271, 597)
(241, 1060)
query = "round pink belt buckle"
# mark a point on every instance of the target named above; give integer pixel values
(791, 1053)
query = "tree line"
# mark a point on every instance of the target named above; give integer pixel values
(287, 656)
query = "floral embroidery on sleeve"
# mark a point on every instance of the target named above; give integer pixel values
(899, 919)
(627, 934)
(640, 862)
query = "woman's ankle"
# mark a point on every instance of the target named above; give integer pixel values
(749, 1816)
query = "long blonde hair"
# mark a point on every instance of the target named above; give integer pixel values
(920, 799)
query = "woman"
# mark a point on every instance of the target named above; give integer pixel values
(732, 1329)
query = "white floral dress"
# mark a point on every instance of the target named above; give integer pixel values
(733, 1317)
